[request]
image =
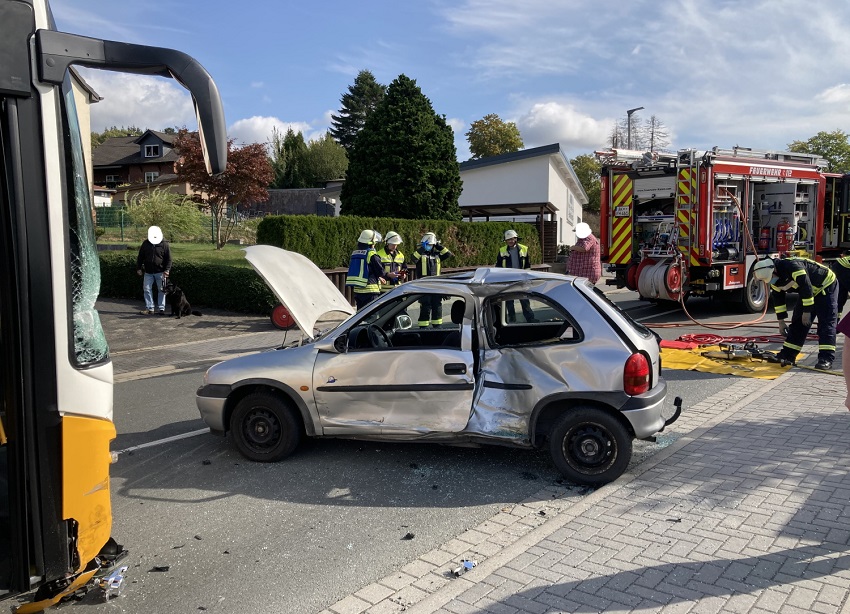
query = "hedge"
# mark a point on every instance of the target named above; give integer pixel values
(213, 285)
(329, 241)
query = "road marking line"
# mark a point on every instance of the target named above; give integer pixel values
(159, 442)
(658, 315)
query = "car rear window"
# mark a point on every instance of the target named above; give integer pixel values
(637, 326)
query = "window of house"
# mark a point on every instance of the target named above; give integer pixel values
(151, 176)
(570, 209)
(112, 179)
(151, 151)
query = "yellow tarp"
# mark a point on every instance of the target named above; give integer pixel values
(693, 360)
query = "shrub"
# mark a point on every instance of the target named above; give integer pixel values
(329, 241)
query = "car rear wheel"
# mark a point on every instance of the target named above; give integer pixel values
(264, 428)
(589, 446)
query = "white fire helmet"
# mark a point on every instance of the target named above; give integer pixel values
(430, 238)
(763, 269)
(368, 236)
(155, 235)
(393, 238)
(511, 234)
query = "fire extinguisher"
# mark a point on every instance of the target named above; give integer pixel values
(784, 236)
(764, 238)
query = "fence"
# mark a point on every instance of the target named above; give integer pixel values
(113, 224)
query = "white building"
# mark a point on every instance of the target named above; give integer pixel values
(535, 185)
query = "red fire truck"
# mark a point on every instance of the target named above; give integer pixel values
(694, 222)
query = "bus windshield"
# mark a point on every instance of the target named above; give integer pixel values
(89, 341)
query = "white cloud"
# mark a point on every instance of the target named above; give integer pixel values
(838, 94)
(553, 122)
(259, 129)
(139, 100)
(456, 124)
(257, 84)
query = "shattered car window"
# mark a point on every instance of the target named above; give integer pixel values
(528, 319)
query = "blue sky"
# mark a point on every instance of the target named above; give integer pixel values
(757, 73)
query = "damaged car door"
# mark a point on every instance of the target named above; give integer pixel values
(386, 380)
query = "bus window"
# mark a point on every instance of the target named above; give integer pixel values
(89, 341)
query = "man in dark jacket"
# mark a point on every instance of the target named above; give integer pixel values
(514, 255)
(817, 291)
(154, 264)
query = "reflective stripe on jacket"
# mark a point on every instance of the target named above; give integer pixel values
(392, 263)
(359, 276)
(810, 278)
(504, 259)
(428, 263)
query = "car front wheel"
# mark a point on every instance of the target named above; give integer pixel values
(589, 446)
(264, 428)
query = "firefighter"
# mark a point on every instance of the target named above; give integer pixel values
(841, 268)
(392, 261)
(514, 255)
(427, 259)
(817, 291)
(365, 271)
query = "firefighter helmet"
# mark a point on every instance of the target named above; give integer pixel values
(429, 238)
(511, 234)
(393, 238)
(763, 269)
(368, 236)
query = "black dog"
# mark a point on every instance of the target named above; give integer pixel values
(177, 299)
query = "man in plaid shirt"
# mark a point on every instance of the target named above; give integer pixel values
(584, 255)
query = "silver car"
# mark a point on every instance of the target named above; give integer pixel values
(521, 359)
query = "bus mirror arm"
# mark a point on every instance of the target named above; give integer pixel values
(57, 51)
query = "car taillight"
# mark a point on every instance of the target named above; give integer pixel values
(636, 375)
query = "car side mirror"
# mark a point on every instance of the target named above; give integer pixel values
(341, 343)
(403, 322)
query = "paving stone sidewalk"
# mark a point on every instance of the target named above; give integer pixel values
(745, 512)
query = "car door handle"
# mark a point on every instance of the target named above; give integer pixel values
(455, 368)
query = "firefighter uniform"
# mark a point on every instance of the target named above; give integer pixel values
(392, 262)
(365, 272)
(841, 268)
(817, 295)
(427, 260)
(515, 256)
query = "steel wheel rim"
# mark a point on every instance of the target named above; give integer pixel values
(589, 446)
(261, 430)
(757, 291)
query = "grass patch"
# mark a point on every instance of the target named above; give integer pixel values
(197, 253)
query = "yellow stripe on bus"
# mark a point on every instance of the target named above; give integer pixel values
(85, 481)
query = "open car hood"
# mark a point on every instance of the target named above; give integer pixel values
(298, 284)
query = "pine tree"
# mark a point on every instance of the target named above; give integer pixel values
(358, 104)
(404, 162)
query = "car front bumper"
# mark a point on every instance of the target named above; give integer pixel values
(211, 400)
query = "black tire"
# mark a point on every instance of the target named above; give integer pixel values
(755, 295)
(590, 446)
(264, 428)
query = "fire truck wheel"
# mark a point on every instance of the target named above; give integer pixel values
(755, 295)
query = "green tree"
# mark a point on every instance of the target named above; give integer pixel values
(404, 162)
(324, 160)
(97, 138)
(244, 182)
(288, 160)
(588, 170)
(176, 214)
(491, 136)
(831, 145)
(361, 100)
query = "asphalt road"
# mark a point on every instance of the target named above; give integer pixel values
(207, 529)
